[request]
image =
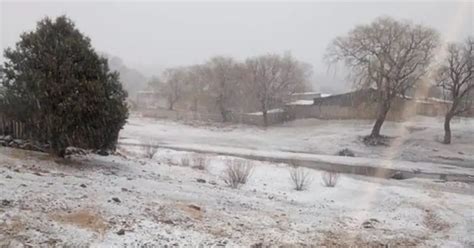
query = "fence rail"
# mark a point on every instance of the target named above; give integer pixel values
(11, 127)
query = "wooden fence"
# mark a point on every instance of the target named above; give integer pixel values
(11, 127)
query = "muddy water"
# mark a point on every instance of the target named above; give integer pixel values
(340, 168)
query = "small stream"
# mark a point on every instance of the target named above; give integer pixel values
(340, 168)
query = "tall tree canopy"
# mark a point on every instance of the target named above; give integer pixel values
(222, 76)
(388, 55)
(62, 90)
(273, 78)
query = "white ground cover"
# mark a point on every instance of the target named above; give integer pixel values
(158, 202)
(416, 145)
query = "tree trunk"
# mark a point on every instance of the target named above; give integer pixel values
(224, 115)
(447, 129)
(195, 104)
(382, 113)
(170, 103)
(222, 110)
(265, 118)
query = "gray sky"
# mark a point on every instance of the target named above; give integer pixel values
(156, 34)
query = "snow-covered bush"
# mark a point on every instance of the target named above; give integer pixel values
(237, 172)
(300, 177)
(330, 178)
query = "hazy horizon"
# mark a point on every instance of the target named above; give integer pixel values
(150, 36)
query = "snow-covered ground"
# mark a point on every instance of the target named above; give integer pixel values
(133, 200)
(417, 140)
(119, 201)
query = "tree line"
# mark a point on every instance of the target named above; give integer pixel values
(64, 92)
(225, 85)
(391, 56)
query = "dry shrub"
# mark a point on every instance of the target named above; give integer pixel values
(330, 178)
(300, 177)
(185, 161)
(237, 172)
(149, 149)
(84, 218)
(346, 153)
(199, 163)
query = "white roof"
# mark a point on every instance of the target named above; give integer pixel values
(306, 93)
(325, 95)
(268, 112)
(302, 102)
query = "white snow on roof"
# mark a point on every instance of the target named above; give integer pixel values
(425, 100)
(271, 111)
(434, 99)
(302, 102)
(325, 95)
(306, 93)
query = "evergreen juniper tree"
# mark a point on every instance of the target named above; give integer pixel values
(62, 89)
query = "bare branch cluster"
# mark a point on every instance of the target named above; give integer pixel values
(330, 178)
(300, 177)
(388, 55)
(260, 83)
(237, 172)
(456, 75)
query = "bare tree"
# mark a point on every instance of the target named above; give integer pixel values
(197, 76)
(173, 85)
(222, 76)
(387, 54)
(456, 78)
(155, 83)
(273, 78)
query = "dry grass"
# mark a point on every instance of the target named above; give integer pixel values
(237, 172)
(14, 226)
(330, 178)
(348, 239)
(86, 219)
(184, 162)
(149, 149)
(27, 154)
(434, 222)
(191, 210)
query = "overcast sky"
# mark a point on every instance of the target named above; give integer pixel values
(146, 34)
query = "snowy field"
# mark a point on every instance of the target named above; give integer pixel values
(417, 140)
(131, 199)
(119, 201)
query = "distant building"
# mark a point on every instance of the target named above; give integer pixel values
(358, 104)
(304, 96)
(362, 104)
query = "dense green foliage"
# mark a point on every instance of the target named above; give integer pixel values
(62, 90)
